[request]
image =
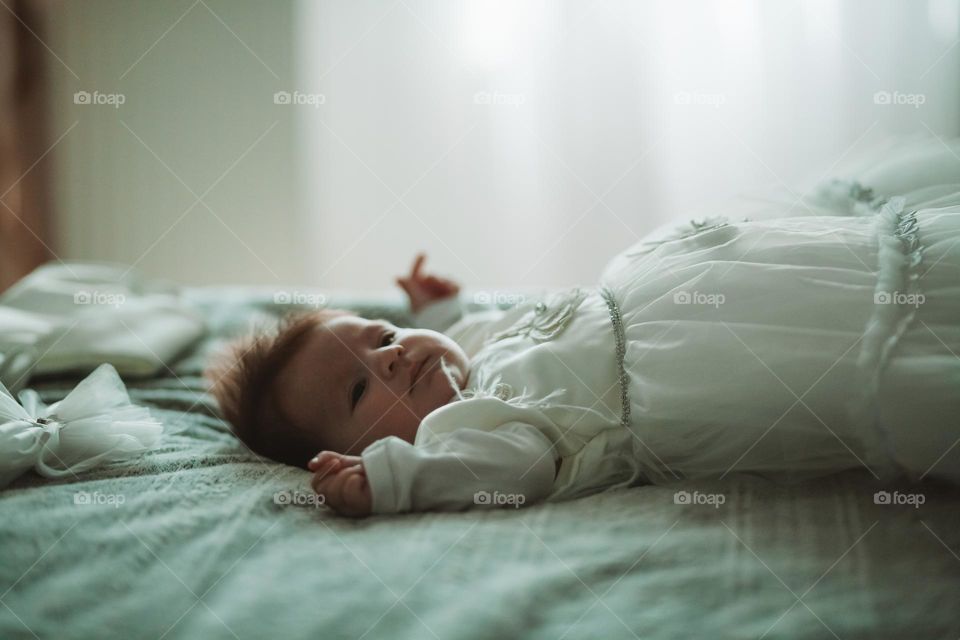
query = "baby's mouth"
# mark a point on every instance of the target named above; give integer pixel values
(417, 369)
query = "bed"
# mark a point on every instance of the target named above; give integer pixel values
(201, 539)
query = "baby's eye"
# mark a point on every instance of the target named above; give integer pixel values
(388, 338)
(357, 392)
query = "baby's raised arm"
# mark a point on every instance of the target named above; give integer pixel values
(436, 305)
(424, 288)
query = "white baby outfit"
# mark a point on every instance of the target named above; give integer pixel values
(786, 347)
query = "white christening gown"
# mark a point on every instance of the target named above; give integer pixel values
(798, 346)
(813, 337)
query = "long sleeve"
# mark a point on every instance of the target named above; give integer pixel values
(512, 465)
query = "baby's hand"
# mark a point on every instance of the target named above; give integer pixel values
(342, 482)
(422, 289)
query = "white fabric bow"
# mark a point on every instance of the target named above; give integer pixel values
(93, 424)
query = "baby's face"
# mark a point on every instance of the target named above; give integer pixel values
(355, 381)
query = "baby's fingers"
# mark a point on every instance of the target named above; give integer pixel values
(357, 501)
(321, 483)
(325, 478)
(333, 487)
(320, 459)
(441, 286)
(350, 461)
(417, 264)
(356, 490)
(326, 468)
(404, 284)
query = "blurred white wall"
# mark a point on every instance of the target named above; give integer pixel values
(519, 143)
(197, 80)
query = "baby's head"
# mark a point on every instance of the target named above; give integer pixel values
(330, 380)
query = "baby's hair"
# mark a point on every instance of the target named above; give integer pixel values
(242, 380)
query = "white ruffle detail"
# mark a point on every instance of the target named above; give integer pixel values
(899, 256)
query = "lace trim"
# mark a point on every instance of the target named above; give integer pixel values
(621, 350)
(547, 321)
(861, 193)
(897, 297)
(487, 385)
(850, 196)
(686, 230)
(544, 322)
(704, 224)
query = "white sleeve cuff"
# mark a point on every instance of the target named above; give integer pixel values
(380, 478)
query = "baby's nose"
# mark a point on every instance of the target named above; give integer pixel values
(394, 354)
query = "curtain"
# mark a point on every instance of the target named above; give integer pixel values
(24, 179)
(523, 143)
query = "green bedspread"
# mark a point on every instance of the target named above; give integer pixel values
(188, 542)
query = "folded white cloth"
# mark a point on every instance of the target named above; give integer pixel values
(76, 316)
(93, 424)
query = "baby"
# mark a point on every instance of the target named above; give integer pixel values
(787, 348)
(333, 382)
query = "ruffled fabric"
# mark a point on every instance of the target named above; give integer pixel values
(776, 346)
(547, 318)
(900, 258)
(845, 197)
(94, 424)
